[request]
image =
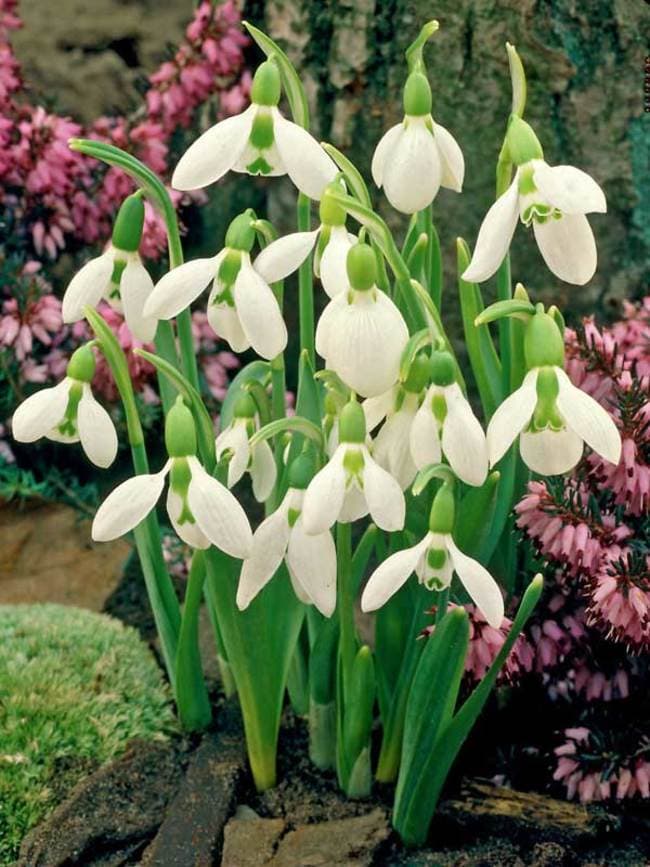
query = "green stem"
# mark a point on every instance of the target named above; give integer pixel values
(305, 285)
(345, 601)
(191, 693)
(166, 348)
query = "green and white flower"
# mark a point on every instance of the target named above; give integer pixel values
(258, 460)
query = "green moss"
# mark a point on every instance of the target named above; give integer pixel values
(75, 687)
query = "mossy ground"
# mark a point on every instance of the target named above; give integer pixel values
(75, 687)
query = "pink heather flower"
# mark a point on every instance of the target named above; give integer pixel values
(620, 602)
(39, 320)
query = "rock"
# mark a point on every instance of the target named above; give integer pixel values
(249, 841)
(109, 816)
(47, 555)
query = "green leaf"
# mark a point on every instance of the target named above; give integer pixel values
(474, 533)
(353, 177)
(360, 700)
(191, 693)
(417, 258)
(361, 556)
(259, 370)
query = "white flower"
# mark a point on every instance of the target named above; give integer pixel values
(350, 486)
(434, 560)
(361, 336)
(68, 413)
(241, 307)
(392, 448)
(413, 159)
(286, 255)
(554, 200)
(310, 559)
(445, 425)
(119, 277)
(202, 511)
(553, 419)
(259, 460)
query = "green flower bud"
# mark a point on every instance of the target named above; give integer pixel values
(127, 229)
(443, 369)
(418, 375)
(352, 423)
(330, 212)
(362, 267)
(267, 85)
(82, 364)
(244, 406)
(302, 471)
(443, 511)
(417, 95)
(180, 431)
(522, 142)
(241, 234)
(543, 342)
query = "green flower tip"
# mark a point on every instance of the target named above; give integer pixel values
(521, 293)
(443, 510)
(543, 341)
(418, 374)
(523, 144)
(417, 95)
(352, 423)
(443, 370)
(245, 406)
(180, 431)
(267, 85)
(361, 267)
(302, 471)
(241, 232)
(127, 229)
(82, 364)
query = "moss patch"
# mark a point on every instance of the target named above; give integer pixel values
(75, 687)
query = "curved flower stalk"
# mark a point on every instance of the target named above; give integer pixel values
(310, 559)
(68, 413)
(434, 560)
(417, 156)
(260, 141)
(241, 307)
(331, 240)
(118, 276)
(202, 511)
(361, 334)
(554, 200)
(258, 460)
(445, 425)
(552, 417)
(352, 484)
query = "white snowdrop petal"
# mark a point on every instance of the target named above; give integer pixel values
(234, 438)
(259, 313)
(549, 452)
(307, 164)
(324, 496)
(40, 412)
(312, 561)
(269, 546)
(511, 417)
(387, 579)
(481, 586)
(375, 409)
(128, 505)
(96, 430)
(412, 171)
(568, 247)
(224, 321)
(87, 287)
(383, 495)
(180, 287)
(588, 419)
(214, 153)
(263, 471)
(392, 449)
(463, 439)
(284, 256)
(218, 513)
(570, 190)
(354, 505)
(424, 439)
(136, 287)
(383, 152)
(494, 236)
(451, 159)
(333, 264)
(188, 531)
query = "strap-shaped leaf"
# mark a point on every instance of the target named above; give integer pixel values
(259, 370)
(473, 533)
(191, 693)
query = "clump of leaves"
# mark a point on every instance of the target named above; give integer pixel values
(75, 687)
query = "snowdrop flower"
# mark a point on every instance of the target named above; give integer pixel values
(352, 484)
(260, 141)
(361, 334)
(434, 560)
(399, 406)
(445, 425)
(241, 307)
(202, 511)
(258, 460)
(118, 276)
(68, 413)
(310, 559)
(331, 240)
(552, 417)
(554, 200)
(418, 156)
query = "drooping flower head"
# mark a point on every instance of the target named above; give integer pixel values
(69, 413)
(260, 141)
(258, 460)
(118, 276)
(241, 307)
